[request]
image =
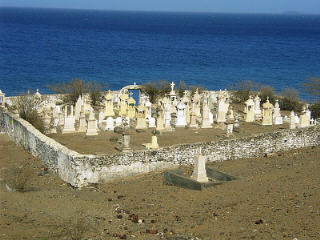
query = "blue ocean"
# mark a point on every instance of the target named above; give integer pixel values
(44, 46)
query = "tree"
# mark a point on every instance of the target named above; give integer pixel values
(77, 87)
(242, 90)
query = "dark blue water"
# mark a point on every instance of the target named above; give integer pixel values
(44, 46)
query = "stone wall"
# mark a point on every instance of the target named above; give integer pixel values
(79, 170)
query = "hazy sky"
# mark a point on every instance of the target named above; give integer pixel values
(239, 6)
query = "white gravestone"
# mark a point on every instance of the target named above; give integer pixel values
(277, 118)
(181, 120)
(69, 121)
(292, 121)
(118, 121)
(92, 125)
(199, 173)
(109, 124)
(152, 122)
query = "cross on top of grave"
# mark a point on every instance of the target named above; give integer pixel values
(172, 86)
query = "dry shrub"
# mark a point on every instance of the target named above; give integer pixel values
(182, 88)
(19, 176)
(315, 110)
(27, 106)
(267, 92)
(312, 86)
(73, 228)
(241, 90)
(78, 87)
(77, 227)
(194, 88)
(290, 100)
(113, 139)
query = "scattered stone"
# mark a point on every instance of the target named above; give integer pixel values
(152, 231)
(260, 221)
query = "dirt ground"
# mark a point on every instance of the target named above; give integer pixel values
(275, 197)
(101, 143)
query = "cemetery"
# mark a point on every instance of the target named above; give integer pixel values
(127, 136)
(161, 169)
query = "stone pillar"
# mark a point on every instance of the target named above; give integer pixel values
(199, 173)
(126, 143)
(154, 142)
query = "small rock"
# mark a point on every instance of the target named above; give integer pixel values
(120, 197)
(260, 221)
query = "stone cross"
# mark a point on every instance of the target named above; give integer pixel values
(172, 86)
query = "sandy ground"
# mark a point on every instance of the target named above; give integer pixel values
(275, 197)
(101, 143)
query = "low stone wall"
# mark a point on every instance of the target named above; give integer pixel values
(79, 170)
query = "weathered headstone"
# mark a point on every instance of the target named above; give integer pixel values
(205, 115)
(277, 118)
(267, 113)
(69, 120)
(82, 122)
(109, 124)
(92, 125)
(199, 173)
(181, 115)
(249, 110)
(108, 109)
